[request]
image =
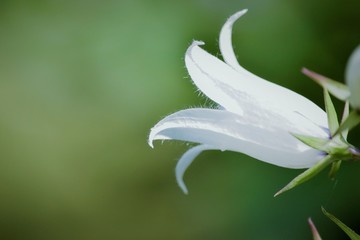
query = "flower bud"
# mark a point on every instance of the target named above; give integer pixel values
(352, 77)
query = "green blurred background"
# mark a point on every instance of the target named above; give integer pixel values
(82, 82)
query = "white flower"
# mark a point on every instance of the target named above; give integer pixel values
(255, 117)
(352, 76)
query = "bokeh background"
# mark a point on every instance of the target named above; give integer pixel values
(82, 82)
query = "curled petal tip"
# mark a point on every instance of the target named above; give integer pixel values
(179, 178)
(196, 43)
(182, 185)
(185, 162)
(150, 142)
(151, 138)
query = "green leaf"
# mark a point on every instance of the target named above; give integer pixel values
(352, 235)
(349, 123)
(308, 174)
(339, 90)
(314, 142)
(314, 231)
(333, 121)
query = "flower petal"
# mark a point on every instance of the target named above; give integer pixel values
(241, 92)
(254, 136)
(352, 76)
(185, 161)
(225, 42)
(219, 92)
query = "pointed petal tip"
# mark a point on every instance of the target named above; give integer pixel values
(225, 42)
(239, 13)
(236, 16)
(242, 12)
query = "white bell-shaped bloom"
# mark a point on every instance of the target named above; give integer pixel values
(255, 117)
(352, 77)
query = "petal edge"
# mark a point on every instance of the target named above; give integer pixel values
(225, 42)
(185, 161)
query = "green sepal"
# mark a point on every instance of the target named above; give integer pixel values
(308, 174)
(352, 235)
(335, 166)
(315, 233)
(314, 142)
(344, 117)
(355, 153)
(333, 121)
(349, 123)
(337, 89)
